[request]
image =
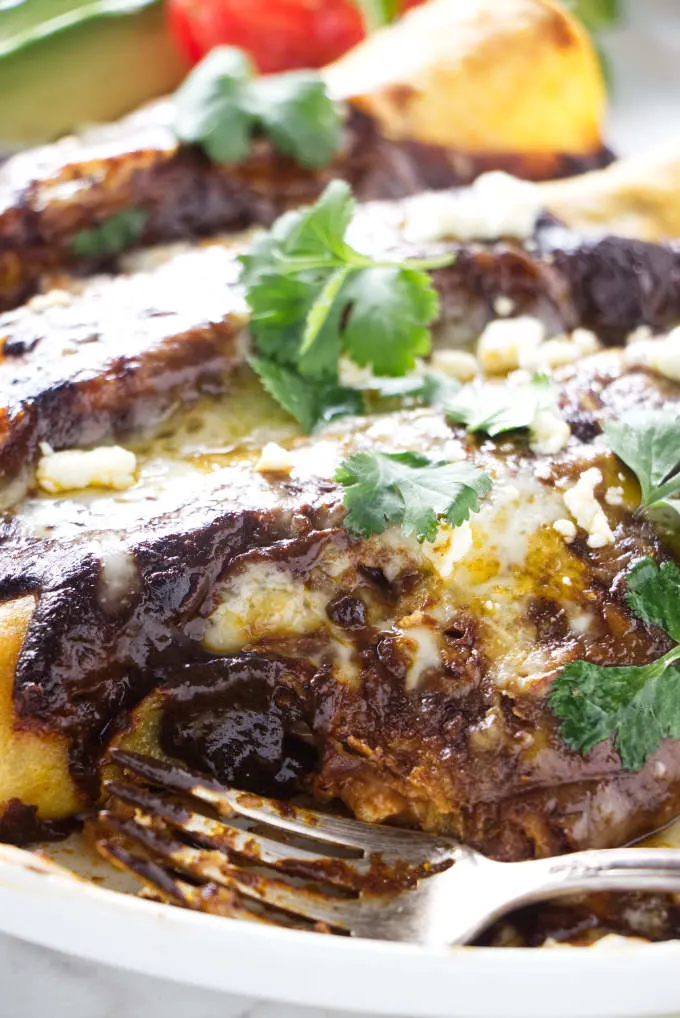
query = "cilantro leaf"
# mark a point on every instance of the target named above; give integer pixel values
(654, 595)
(637, 705)
(387, 326)
(313, 297)
(648, 442)
(112, 236)
(308, 402)
(211, 106)
(294, 110)
(407, 488)
(496, 408)
(221, 105)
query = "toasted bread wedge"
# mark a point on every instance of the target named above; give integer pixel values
(480, 76)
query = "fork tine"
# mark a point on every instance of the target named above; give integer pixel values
(255, 847)
(212, 867)
(389, 841)
(159, 885)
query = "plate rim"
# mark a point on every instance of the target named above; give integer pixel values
(46, 905)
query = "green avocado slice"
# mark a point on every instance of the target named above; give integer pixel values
(68, 63)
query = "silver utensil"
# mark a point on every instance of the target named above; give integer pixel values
(197, 844)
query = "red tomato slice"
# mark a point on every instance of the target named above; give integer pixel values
(279, 34)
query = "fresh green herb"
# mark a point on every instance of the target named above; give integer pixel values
(648, 441)
(596, 14)
(638, 705)
(222, 105)
(377, 13)
(310, 404)
(313, 297)
(433, 388)
(410, 489)
(496, 408)
(110, 237)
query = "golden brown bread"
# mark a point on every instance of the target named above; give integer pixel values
(33, 765)
(635, 197)
(480, 76)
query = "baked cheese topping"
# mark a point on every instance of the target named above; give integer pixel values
(495, 205)
(108, 466)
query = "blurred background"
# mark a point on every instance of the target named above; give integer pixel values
(71, 62)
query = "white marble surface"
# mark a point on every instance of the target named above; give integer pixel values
(37, 982)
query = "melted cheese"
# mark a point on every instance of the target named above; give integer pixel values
(109, 466)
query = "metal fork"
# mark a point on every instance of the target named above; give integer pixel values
(192, 843)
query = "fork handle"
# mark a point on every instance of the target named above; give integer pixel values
(514, 885)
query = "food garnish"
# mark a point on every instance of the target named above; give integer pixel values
(222, 105)
(637, 705)
(378, 13)
(409, 489)
(648, 442)
(495, 409)
(110, 237)
(596, 14)
(313, 297)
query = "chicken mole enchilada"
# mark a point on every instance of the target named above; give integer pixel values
(373, 500)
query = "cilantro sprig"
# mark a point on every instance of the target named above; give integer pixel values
(221, 106)
(596, 14)
(377, 13)
(313, 297)
(110, 237)
(495, 409)
(638, 705)
(409, 489)
(648, 442)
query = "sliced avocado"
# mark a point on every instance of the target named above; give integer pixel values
(64, 64)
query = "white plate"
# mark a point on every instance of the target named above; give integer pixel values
(243, 958)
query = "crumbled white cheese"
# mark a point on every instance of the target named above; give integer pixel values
(108, 466)
(642, 332)
(52, 299)
(274, 459)
(496, 205)
(566, 580)
(548, 433)
(566, 529)
(543, 471)
(587, 511)
(456, 363)
(660, 355)
(503, 306)
(614, 496)
(450, 546)
(560, 350)
(453, 450)
(505, 342)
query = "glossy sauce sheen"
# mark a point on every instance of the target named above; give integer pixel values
(410, 697)
(49, 194)
(100, 359)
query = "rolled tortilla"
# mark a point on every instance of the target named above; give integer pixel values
(33, 765)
